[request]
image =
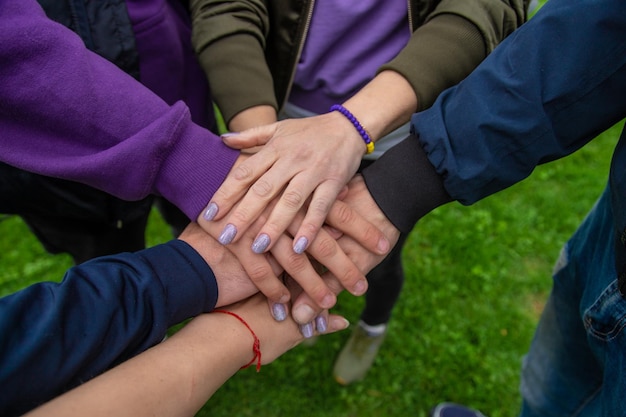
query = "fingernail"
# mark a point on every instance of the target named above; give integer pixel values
(360, 287)
(383, 245)
(300, 245)
(279, 312)
(260, 243)
(228, 134)
(303, 313)
(320, 323)
(344, 324)
(210, 212)
(307, 330)
(228, 234)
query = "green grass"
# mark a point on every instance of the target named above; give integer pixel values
(477, 278)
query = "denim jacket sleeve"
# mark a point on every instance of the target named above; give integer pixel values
(547, 90)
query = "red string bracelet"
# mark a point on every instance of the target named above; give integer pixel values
(256, 347)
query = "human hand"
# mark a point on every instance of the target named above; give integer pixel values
(301, 160)
(324, 249)
(233, 282)
(358, 200)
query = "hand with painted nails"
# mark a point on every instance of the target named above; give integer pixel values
(291, 170)
(324, 250)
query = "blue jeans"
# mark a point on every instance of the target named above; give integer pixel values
(576, 365)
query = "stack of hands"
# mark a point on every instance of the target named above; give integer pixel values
(266, 224)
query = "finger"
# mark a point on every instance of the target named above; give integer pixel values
(263, 192)
(319, 207)
(336, 323)
(246, 171)
(263, 270)
(300, 268)
(261, 274)
(324, 322)
(343, 218)
(287, 207)
(255, 136)
(327, 252)
(303, 309)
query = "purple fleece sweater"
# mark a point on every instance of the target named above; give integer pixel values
(68, 113)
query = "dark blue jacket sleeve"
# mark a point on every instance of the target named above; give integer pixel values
(549, 88)
(57, 335)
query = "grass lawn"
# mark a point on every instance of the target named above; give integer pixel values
(477, 278)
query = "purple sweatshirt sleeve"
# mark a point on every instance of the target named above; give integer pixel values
(68, 113)
(58, 335)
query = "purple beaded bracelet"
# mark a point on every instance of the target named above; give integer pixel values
(366, 137)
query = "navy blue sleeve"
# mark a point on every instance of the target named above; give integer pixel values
(57, 335)
(549, 88)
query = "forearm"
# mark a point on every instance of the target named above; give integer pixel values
(252, 117)
(506, 118)
(385, 103)
(71, 114)
(103, 312)
(230, 40)
(175, 377)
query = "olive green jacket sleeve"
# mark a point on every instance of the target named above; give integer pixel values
(454, 38)
(234, 42)
(230, 39)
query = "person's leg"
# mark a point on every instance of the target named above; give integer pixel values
(576, 365)
(385, 284)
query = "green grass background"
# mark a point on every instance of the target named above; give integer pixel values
(476, 281)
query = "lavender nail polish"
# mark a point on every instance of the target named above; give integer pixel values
(321, 324)
(307, 330)
(228, 234)
(300, 245)
(210, 212)
(261, 243)
(279, 312)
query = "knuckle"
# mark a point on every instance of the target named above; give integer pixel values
(345, 214)
(350, 276)
(260, 273)
(293, 199)
(242, 173)
(320, 206)
(262, 188)
(297, 263)
(326, 247)
(241, 215)
(310, 229)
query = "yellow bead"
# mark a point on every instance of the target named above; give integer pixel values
(370, 147)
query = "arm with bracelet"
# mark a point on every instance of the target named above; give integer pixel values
(178, 376)
(309, 160)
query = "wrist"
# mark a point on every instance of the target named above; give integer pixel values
(356, 124)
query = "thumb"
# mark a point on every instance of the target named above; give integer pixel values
(256, 136)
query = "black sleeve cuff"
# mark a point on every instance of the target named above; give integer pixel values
(405, 184)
